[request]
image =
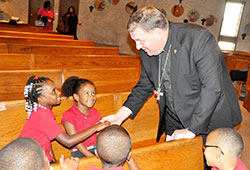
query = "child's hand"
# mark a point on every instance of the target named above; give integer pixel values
(102, 125)
(68, 163)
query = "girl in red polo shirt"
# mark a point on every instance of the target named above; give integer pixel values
(81, 116)
(41, 95)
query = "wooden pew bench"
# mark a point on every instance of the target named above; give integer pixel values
(25, 28)
(15, 61)
(57, 49)
(181, 154)
(48, 61)
(12, 82)
(231, 58)
(11, 61)
(44, 41)
(35, 35)
(107, 80)
(142, 129)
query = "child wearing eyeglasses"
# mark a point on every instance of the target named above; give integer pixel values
(223, 150)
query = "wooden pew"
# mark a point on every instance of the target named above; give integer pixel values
(44, 41)
(108, 80)
(142, 129)
(232, 56)
(58, 49)
(24, 28)
(48, 61)
(11, 61)
(3, 48)
(181, 154)
(12, 82)
(34, 35)
(15, 61)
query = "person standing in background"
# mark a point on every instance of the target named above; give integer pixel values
(70, 21)
(47, 15)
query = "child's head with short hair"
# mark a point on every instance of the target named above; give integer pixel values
(23, 154)
(82, 90)
(40, 91)
(113, 146)
(223, 147)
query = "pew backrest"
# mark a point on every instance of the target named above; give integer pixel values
(12, 82)
(10, 61)
(108, 80)
(34, 34)
(44, 41)
(181, 154)
(58, 49)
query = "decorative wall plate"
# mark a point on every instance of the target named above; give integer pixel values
(177, 10)
(193, 15)
(211, 21)
(114, 2)
(100, 5)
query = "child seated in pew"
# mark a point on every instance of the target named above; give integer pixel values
(81, 116)
(41, 95)
(223, 149)
(26, 154)
(113, 147)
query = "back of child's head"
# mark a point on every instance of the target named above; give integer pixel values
(32, 91)
(22, 154)
(73, 84)
(113, 146)
(230, 141)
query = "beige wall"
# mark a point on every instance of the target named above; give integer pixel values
(17, 8)
(109, 26)
(244, 45)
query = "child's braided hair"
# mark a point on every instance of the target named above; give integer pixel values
(32, 91)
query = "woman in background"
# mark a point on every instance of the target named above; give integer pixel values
(70, 20)
(47, 15)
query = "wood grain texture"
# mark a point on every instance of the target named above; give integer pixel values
(108, 80)
(12, 61)
(232, 56)
(25, 28)
(60, 49)
(181, 154)
(13, 82)
(35, 35)
(44, 40)
(15, 61)
(48, 61)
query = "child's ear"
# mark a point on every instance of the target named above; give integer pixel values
(76, 97)
(97, 154)
(40, 100)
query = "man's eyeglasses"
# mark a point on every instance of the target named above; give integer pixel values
(205, 146)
